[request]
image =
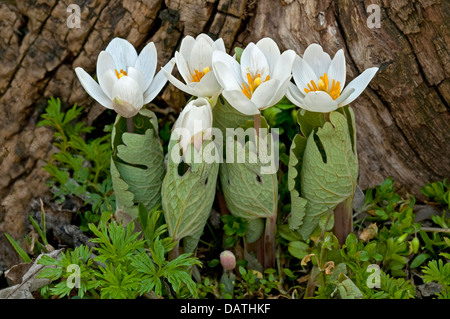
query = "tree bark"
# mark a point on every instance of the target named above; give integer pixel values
(402, 119)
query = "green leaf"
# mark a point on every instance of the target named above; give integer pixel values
(298, 249)
(255, 229)
(348, 290)
(325, 183)
(249, 191)
(137, 164)
(18, 249)
(225, 116)
(187, 199)
(298, 204)
(419, 260)
(309, 121)
(238, 51)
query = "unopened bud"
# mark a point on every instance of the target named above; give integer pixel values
(228, 260)
(415, 244)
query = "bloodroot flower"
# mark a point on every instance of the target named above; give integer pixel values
(319, 81)
(194, 62)
(126, 80)
(194, 123)
(259, 81)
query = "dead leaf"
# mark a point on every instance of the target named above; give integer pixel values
(29, 281)
(329, 267)
(306, 259)
(369, 233)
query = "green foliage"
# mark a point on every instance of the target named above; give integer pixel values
(325, 165)
(22, 253)
(79, 168)
(234, 228)
(137, 163)
(438, 272)
(438, 192)
(122, 265)
(73, 266)
(187, 198)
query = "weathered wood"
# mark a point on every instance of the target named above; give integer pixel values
(403, 117)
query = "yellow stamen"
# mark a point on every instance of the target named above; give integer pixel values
(324, 85)
(197, 76)
(121, 73)
(253, 83)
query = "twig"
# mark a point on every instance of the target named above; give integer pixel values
(436, 230)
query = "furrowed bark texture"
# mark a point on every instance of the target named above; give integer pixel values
(403, 117)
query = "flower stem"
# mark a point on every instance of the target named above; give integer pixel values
(130, 125)
(269, 242)
(257, 124)
(343, 220)
(175, 252)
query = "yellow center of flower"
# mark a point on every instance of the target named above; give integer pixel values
(121, 73)
(197, 76)
(253, 83)
(324, 85)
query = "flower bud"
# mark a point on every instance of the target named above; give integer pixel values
(415, 244)
(228, 260)
(194, 123)
(402, 238)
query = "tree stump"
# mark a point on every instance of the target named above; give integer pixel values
(403, 117)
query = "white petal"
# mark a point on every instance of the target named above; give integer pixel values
(264, 93)
(205, 37)
(137, 75)
(303, 74)
(338, 70)
(344, 96)
(107, 82)
(123, 53)
(254, 62)
(186, 47)
(146, 63)
(319, 101)
(280, 92)
(183, 68)
(219, 45)
(128, 97)
(359, 85)
(318, 60)
(93, 88)
(158, 82)
(293, 95)
(105, 62)
(208, 85)
(177, 83)
(240, 102)
(270, 50)
(283, 67)
(201, 56)
(227, 70)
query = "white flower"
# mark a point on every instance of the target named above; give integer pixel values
(194, 123)
(126, 81)
(194, 64)
(319, 81)
(259, 81)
